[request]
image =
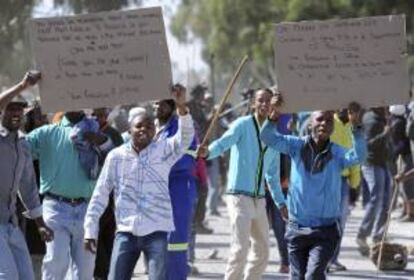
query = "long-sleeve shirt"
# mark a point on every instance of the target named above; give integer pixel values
(17, 177)
(251, 162)
(186, 164)
(314, 192)
(342, 135)
(61, 172)
(140, 185)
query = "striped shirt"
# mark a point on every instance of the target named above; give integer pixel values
(140, 185)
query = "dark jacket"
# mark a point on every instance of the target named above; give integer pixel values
(399, 141)
(377, 139)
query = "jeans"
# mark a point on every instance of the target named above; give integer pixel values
(344, 214)
(67, 248)
(279, 229)
(15, 262)
(127, 249)
(364, 192)
(192, 229)
(378, 181)
(213, 171)
(310, 250)
(403, 165)
(106, 237)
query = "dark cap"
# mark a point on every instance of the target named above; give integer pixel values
(170, 103)
(198, 90)
(18, 100)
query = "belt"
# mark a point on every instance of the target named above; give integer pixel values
(71, 201)
(299, 226)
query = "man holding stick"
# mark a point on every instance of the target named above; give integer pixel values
(251, 164)
(313, 231)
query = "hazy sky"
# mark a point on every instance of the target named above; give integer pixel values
(183, 57)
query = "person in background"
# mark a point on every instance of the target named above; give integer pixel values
(197, 108)
(107, 224)
(182, 189)
(18, 178)
(377, 177)
(401, 156)
(142, 202)
(67, 188)
(314, 193)
(34, 119)
(126, 136)
(200, 175)
(118, 118)
(351, 177)
(213, 166)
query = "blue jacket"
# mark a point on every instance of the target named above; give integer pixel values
(251, 162)
(187, 163)
(315, 182)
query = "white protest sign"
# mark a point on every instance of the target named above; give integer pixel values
(327, 64)
(101, 60)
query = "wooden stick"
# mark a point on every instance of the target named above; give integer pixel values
(223, 101)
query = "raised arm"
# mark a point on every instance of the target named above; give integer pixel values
(181, 141)
(358, 153)
(271, 137)
(29, 79)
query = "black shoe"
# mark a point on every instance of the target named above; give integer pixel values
(192, 270)
(215, 213)
(363, 246)
(336, 267)
(202, 229)
(406, 219)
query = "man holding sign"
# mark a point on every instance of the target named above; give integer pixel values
(314, 194)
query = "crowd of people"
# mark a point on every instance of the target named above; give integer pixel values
(102, 187)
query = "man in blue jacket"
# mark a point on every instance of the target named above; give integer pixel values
(314, 194)
(182, 190)
(251, 164)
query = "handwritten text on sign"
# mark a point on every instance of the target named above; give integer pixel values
(327, 64)
(101, 60)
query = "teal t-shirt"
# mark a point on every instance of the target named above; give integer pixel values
(60, 170)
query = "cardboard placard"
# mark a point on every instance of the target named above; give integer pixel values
(323, 65)
(101, 60)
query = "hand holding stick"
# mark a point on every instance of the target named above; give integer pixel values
(222, 102)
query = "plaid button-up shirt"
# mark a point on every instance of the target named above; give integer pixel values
(140, 185)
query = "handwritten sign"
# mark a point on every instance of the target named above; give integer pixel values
(101, 60)
(327, 64)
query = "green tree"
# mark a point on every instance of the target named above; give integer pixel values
(231, 28)
(13, 55)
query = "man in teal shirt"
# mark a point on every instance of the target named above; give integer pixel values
(67, 189)
(251, 164)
